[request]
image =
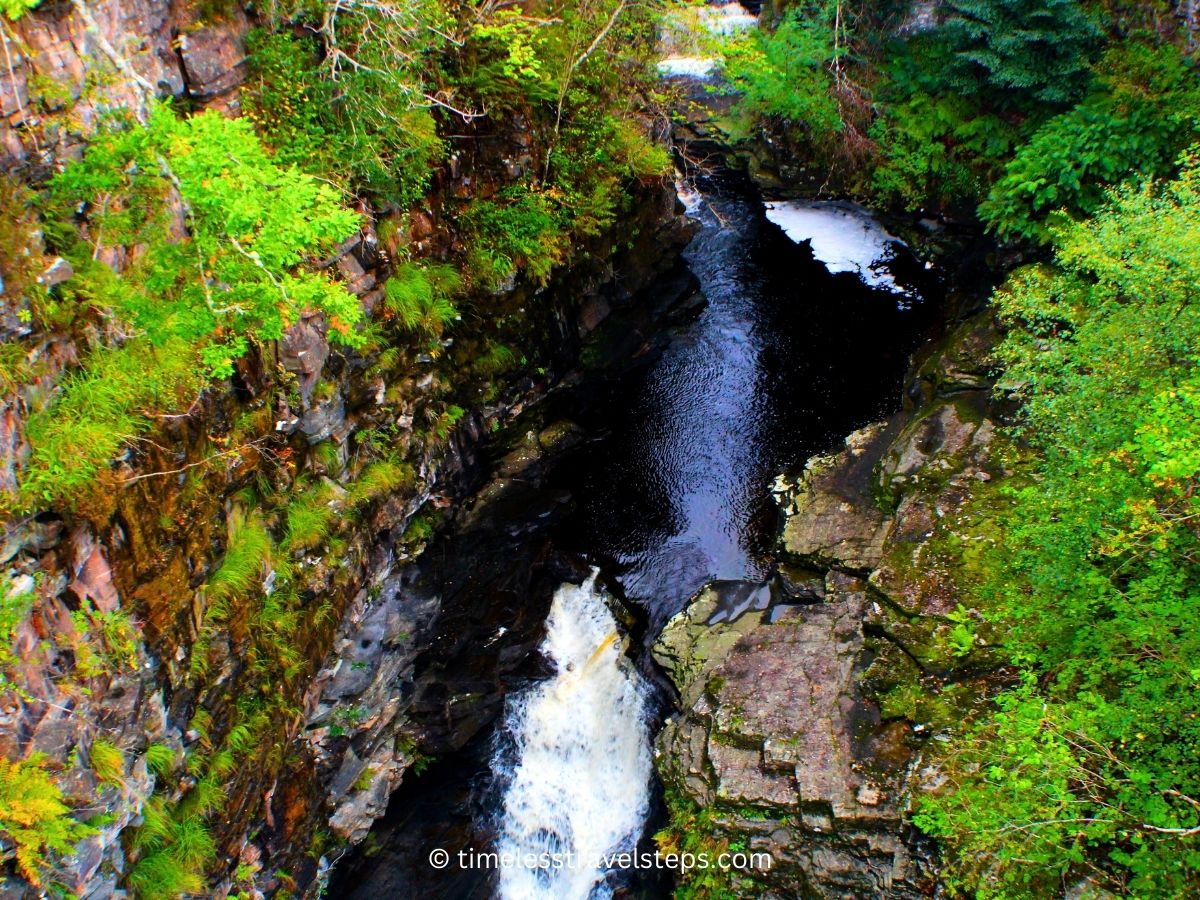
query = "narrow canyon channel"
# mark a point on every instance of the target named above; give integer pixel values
(785, 327)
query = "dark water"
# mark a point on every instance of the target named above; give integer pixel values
(668, 489)
(782, 363)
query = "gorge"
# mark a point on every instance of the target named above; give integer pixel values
(593, 449)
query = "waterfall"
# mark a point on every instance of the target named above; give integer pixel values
(578, 775)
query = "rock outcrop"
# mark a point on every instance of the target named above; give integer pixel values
(801, 726)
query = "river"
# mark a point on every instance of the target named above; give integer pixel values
(773, 355)
(794, 327)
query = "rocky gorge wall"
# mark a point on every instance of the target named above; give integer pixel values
(299, 724)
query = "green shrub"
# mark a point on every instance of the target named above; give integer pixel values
(1093, 764)
(252, 226)
(517, 231)
(1018, 54)
(366, 124)
(1147, 112)
(786, 72)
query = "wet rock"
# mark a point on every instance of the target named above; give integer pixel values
(559, 436)
(29, 536)
(57, 272)
(768, 740)
(214, 56)
(831, 513)
(304, 350)
(798, 727)
(93, 576)
(324, 419)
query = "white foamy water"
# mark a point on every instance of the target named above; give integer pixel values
(682, 28)
(845, 237)
(727, 18)
(579, 786)
(687, 66)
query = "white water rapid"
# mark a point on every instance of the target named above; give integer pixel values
(579, 780)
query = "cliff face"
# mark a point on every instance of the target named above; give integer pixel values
(802, 727)
(123, 644)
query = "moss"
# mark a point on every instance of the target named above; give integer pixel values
(380, 478)
(693, 830)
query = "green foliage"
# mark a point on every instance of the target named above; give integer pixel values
(367, 125)
(932, 143)
(692, 830)
(310, 514)
(21, 264)
(787, 72)
(382, 477)
(226, 234)
(34, 817)
(101, 407)
(497, 359)
(14, 9)
(517, 231)
(1097, 587)
(108, 762)
(420, 527)
(447, 420)
(1018, 54)
(161, 759)
(15, 605)
(246, 557)
(596, 157)
(508, 61)
(174, 847)
(420, 297)
(1146, 113)
(252, 224)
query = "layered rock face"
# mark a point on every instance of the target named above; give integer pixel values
(801, 730)
(336, 731)
(69, 64)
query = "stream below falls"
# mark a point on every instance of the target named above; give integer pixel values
(766, 356)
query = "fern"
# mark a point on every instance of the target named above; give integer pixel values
(419, 296)
(34, 817)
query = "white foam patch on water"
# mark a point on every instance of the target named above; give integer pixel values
(687, 66)
(845, 237)
(580, 783)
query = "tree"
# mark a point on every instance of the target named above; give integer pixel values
(1019, 54)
